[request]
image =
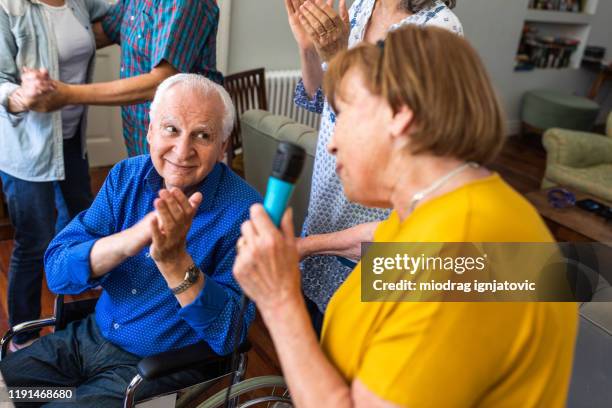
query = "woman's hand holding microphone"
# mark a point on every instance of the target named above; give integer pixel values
(266, 266)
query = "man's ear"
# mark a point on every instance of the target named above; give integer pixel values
(149, 132)
(401, 122)
(224, 146)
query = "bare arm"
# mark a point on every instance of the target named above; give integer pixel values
(312, 379)
(120, 92)
(346, 243)
(312, 73)
(102, 39)
(267, 270)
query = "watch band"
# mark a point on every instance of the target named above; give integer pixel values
(191, 277)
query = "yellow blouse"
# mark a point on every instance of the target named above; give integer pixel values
(456, 354)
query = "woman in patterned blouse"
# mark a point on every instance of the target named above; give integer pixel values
(334, 228)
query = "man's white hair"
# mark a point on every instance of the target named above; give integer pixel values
(205, 86)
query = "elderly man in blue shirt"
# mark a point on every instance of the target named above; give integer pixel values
(160, 240)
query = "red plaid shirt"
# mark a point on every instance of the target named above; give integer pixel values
(181, 32)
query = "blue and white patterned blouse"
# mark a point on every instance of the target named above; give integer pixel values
(329, 210)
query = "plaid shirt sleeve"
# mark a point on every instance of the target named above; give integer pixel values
(186, 34)
(111, 24)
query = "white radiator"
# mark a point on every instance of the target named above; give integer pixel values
(279, 89)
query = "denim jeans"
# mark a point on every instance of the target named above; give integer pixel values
(32, 210)
(80, 357)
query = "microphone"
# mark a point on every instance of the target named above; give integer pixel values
(286, 168)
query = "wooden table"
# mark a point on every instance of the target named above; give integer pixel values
(572, 224)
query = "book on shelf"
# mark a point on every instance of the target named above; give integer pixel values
(575, 6)
(544, 51)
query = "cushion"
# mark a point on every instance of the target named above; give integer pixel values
(595, 180)
(544, 109)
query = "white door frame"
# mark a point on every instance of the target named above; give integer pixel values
(223, 35)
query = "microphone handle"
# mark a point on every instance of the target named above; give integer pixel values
(277, 197)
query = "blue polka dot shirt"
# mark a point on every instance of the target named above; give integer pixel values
(137, 311)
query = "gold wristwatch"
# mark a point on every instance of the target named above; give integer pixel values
(191, 277)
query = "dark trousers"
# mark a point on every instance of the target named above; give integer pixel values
(80, 357)
(32, 210)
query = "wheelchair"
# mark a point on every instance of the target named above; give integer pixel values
(196, 356)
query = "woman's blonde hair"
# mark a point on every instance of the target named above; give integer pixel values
(441, 78)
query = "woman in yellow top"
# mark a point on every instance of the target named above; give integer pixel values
(414, 115)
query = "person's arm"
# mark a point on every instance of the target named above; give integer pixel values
(312, 379)
(110, 251)
(267, 270)
(108, 30)
(346, 243)
(312, 73)
(120, 92)
(99, 9)
(102, 40)
(211, 305)
(175, 50)
(215, 311)
(68, 263)
(11, 103)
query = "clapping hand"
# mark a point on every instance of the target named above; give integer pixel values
(170, 227)
(300, 34)
(327, 28)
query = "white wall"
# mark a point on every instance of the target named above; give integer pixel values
(494, 28)
(260, 37)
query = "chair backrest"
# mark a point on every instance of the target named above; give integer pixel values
(248, 91)
(262, 131)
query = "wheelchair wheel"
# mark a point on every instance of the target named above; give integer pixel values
(266, 391)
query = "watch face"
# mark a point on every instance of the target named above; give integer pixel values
(192, 274)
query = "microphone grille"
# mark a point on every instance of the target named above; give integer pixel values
(288, 162)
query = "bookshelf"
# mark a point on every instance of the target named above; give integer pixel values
(555, 34)
(561, 17)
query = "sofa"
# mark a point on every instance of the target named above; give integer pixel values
(591, 383)
(580, 161)
(261, 133)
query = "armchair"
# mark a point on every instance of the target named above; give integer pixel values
(579, 160)
(261, 133)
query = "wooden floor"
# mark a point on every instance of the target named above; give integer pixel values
(521, 164)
